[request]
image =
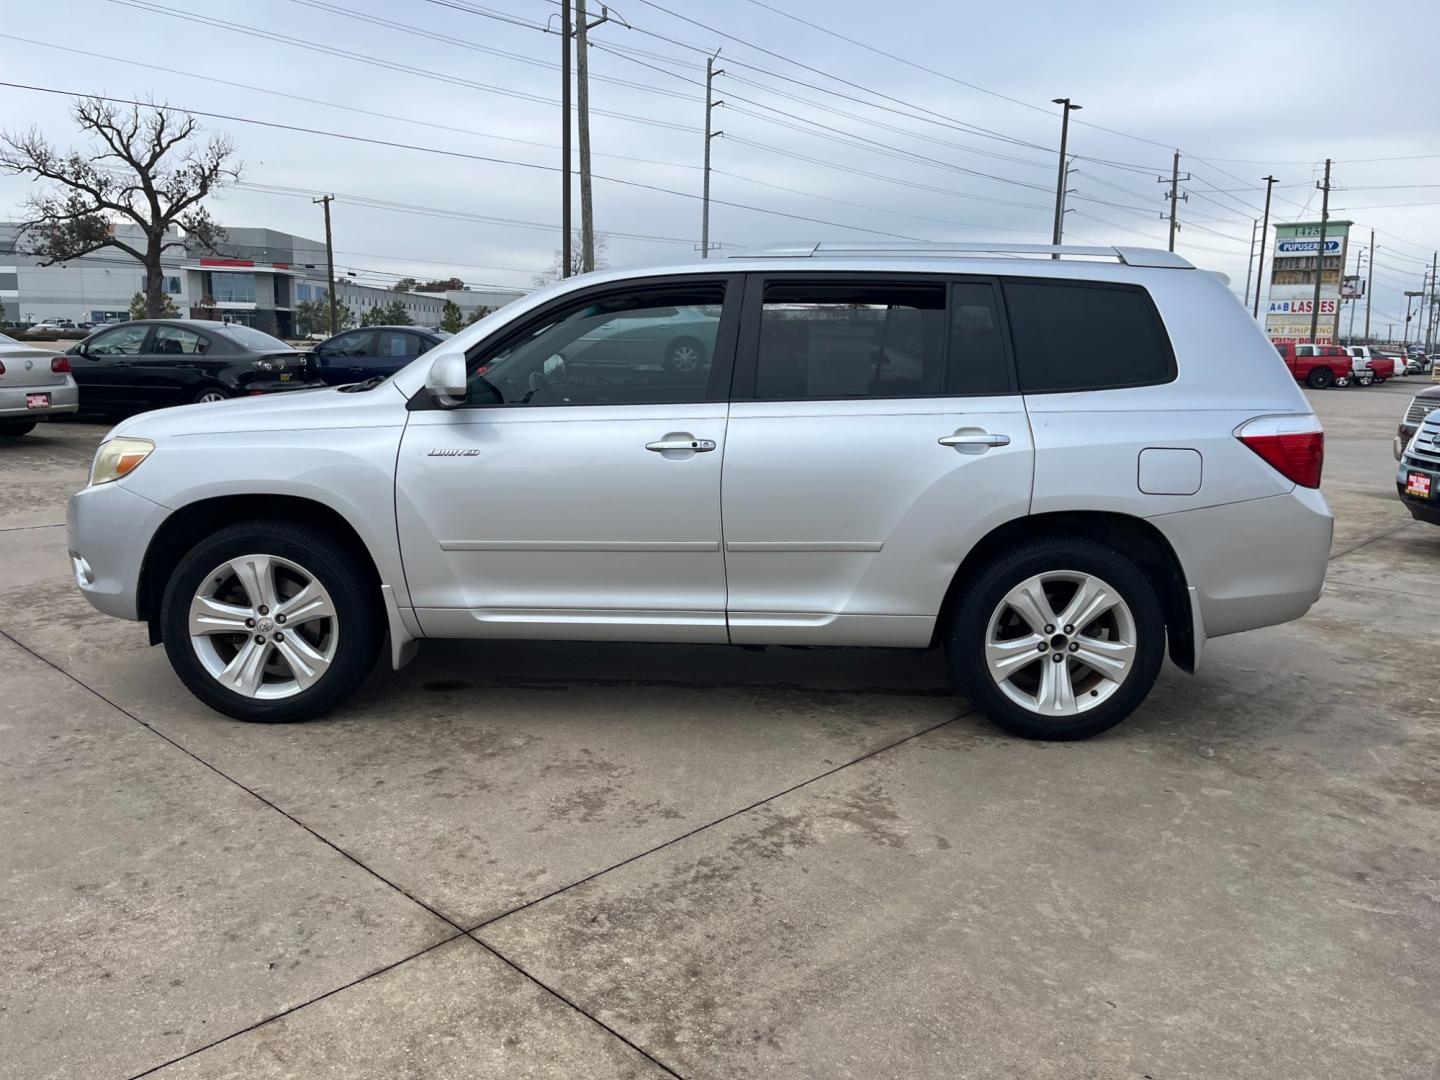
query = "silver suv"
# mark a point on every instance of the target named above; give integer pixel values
(1057, 463)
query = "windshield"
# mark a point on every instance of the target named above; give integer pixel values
(255, 339)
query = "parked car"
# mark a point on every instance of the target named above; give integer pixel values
(1419, 364)
(353, 355)
(885, 446)
(35, 385)
(152, 363)
(1421, 406)
(1418, 479)
(1317, 366)
(1365, 374)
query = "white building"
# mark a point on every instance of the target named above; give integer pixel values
(258, 280)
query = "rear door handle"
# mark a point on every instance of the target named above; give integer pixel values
(700, 446)
(974, 440)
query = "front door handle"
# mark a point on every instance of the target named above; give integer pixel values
(974, 440)
(698, 446)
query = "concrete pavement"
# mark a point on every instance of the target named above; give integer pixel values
(565, 860)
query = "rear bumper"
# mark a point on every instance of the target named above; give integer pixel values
(64, 398)
(1254, 563)
(107, 532)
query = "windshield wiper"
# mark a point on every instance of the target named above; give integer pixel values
(361, 387)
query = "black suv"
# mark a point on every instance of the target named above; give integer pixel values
(152, 363)
(355, 355)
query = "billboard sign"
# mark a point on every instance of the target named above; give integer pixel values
(1297, 258)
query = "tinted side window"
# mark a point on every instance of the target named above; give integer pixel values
(125, 341)
(840, 339)
(175, 341)
(1086, 336)
(975, 360)
(646, 346)
(397, 345)
(355, 343)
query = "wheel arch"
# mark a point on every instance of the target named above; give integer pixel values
(1137, 538)
(193, 522)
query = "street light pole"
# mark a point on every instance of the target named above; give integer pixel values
(1065, 110)
(1405, 343)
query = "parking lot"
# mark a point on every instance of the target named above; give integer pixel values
(541, 859)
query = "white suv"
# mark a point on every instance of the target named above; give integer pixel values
(1054, 467)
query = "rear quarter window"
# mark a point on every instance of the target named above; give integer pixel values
(1070, 335)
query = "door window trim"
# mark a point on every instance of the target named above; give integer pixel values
(722, 356)
(748, 353)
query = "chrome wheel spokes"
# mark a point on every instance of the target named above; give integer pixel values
(1060, 643)
(264, 627)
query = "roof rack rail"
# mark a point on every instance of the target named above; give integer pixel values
(1128, 256)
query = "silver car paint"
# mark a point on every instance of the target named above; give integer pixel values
(841, 523)
(27, 371)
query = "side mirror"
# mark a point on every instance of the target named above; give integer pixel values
(445, 378)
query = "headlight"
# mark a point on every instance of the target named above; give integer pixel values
(117, 458)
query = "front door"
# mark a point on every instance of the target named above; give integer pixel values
(104, 371)
(875, 436)
(567, 499)
(173, 369)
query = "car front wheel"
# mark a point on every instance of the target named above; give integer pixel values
(21, 427)
(1059, 639)
(271, 621)
(684, 356)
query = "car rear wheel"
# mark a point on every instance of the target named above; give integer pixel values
(21, 427)
(1365, 380)
(211, 393)
(271, 621)
(684, 356)
(1319, 378)
(1059, 639)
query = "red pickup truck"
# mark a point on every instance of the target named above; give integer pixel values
(1317, 366)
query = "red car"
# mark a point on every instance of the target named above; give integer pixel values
(1317, 366)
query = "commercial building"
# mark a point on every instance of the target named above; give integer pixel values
(1295, 261)
(258, 279)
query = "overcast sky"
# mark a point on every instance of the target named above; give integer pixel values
(1241, 89)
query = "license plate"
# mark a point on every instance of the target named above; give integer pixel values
(37, 401)
(285, 377)
(1417, 484)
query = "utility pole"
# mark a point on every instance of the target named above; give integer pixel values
(1350, 338)
(1264, 239)
(1430, 327)
(326, 200)
(710, 72)
(1175, 196)
(1320, 253)
(582, 101)
(565, 252)
(1250, 258)
(1370, 286)
(1409, 298)
(1066, 108)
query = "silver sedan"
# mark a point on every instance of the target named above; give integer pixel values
(35, 384)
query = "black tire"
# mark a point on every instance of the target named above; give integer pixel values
(965, 636)
(207, 393)
(18, 427)
(359, 614)
(1319, 378)
(1364, 380)
(681, 343)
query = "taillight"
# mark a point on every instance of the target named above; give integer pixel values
(60, 365)
(1299, 456)
(2, 368)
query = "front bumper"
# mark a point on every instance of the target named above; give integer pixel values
(64, 398)
(107, 532)
(1425, 509)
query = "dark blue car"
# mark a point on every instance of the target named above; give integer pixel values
(355, 355)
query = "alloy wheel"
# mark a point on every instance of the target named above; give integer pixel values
(211, 395)
(263, 627)
(684, 358)
(1060, 643)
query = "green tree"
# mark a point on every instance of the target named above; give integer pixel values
(139, 309)
(451, 317)
(312, 316)
(391, 314)
(478, 314)
(146, 173)
(443, 285)
(405, 284)
(344, 317)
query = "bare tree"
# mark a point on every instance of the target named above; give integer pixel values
(143, 174)
(557, 268)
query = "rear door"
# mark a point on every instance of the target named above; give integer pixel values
(104, 371)
(875, 434)
(393, 350)
(171, 369)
